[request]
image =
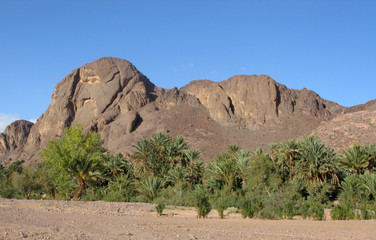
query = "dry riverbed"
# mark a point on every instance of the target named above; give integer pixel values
(42, 219)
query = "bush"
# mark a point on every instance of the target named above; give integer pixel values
(288, 210)
(177, 197)
(160, 207)
(220, 206)
(317, 211)
(342, 212)
(366, 212)
(305, 210)
(6, 189)
(93, 194)
(203, 205)
(247, 209)
(268, 212)
(122, 189)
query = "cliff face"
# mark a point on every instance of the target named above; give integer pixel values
(256, 101)
(112, 97)
(14, 137)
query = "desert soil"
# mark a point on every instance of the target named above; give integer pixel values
(42, 219)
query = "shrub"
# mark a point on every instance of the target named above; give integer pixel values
(288, 210)
(220, 206)
(247, 209)
(203, 205)
(122, 189)
(305, 210)
(231, 210)
(160, 207)
(317, 211)
(366, 212)
(177, 197)
(342, 212)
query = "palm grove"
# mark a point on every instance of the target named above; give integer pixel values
(295, 178)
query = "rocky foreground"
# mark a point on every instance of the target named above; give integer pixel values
(41, 219)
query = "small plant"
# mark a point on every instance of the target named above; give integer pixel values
(231, 210)
(160, 207)
(203, 205)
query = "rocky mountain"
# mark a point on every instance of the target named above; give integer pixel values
(112, 97)
(348, 129)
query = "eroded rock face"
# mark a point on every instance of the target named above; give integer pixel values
(112, 97)
(254, 101)
(14, 137)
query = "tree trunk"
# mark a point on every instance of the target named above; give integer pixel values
(191, 167)
(81, 190)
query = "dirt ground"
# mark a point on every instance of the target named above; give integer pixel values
(42, 219)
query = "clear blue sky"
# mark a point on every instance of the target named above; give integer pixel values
(328, 46)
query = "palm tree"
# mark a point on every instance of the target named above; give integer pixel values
(317, 162)
(257, 151)
(223, 169)
(370, 150)
(150, 187)
(159, 142)
(354, 159)
(242, 162)
(233, 149)
(84, 173)
(287, 153)
(192, 155)
(116, 164)
(140, 155)
(180, 145)
(369, 182)
(174, 151)
(274, 153)
(177, 176)
(75, 154)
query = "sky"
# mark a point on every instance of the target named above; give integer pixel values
(328, 46)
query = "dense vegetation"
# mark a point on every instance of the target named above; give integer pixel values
(295, 178)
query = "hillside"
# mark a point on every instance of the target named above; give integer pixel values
(112, 97)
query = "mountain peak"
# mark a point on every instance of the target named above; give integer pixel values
(110, 96)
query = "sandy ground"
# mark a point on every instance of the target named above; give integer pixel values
(41, 219)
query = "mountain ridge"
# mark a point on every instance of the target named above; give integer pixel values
(110, 96)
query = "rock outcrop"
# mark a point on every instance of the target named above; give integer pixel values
(14, 137)
(255, 101)
(112, 97)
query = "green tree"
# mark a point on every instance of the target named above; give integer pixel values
(223, 169)
(192, 155)
(117, 164)
(27, 181)
(242, 164)
(177, 176)
(156, 156)
(150, 187)
(370, 151)
(318, 162)
(369, 182)
(76, 154)
(354, 159)
(288, 153)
